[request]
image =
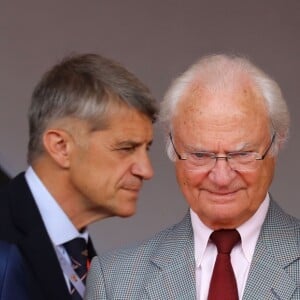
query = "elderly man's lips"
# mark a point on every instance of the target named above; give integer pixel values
(222, 193)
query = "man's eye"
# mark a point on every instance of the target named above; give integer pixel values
(242, 157)
(201, 155)
(127, 149)
(243, 154)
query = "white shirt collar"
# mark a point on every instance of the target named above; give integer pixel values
(201, 236)
(58, 225)
(249, 232)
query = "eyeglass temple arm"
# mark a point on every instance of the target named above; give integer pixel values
(178, 155)
(269, 147)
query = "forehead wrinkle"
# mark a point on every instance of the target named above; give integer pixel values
(234, 112)
(202, 148)
(221, 109)
(212, 88)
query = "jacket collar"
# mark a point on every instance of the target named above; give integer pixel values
(276, 249)
(175, 261)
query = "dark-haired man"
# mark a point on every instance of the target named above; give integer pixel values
(90, 123)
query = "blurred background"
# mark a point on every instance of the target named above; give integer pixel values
(156, 40)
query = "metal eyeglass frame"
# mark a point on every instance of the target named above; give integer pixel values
(226, 157)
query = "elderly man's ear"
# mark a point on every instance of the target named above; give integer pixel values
(58, 144)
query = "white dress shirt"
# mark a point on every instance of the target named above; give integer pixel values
(241, 254)
(59, 227)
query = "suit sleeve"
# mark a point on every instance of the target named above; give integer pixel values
(14, 279)
(95, 287)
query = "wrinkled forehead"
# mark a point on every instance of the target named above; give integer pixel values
(212, 118)
(235, 109)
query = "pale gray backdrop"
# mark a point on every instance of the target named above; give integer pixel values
(157, 40)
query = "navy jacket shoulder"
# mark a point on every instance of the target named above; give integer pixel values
(22, 224)
(13, 275)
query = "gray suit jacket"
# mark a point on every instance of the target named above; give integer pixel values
(164, 268)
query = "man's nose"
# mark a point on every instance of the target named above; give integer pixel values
(143, 167)
(222, 173)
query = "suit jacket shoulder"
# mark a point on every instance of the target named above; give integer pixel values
(13, 276)
(275, 268)
(22, 224)
(159, 268)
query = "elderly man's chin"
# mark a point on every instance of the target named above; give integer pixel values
(229, 215)
(223, 211)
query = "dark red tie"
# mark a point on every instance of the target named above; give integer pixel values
(223, 284)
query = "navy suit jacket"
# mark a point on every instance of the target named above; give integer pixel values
(21, 224)
(13, 275)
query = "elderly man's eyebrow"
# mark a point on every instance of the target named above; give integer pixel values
(242, 146)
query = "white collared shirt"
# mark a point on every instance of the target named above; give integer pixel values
(241, 254)
(59, 227)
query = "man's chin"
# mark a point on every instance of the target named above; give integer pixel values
(127, 213)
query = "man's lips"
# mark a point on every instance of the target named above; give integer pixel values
(222, 194)
(133, 188)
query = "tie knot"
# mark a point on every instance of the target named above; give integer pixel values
(77, 246)
(225, 239)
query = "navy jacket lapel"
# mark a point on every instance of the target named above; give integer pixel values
(35, 243)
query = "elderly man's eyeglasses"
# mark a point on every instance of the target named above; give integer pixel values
(242, 161)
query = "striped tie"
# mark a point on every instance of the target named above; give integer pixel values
(78, 253)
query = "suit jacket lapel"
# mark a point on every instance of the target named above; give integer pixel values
(35, 243)
(45, 266)
(174, 260)
(268, 278)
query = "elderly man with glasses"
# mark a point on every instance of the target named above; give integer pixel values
(226, 121)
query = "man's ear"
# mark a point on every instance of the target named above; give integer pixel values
(57, 143)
